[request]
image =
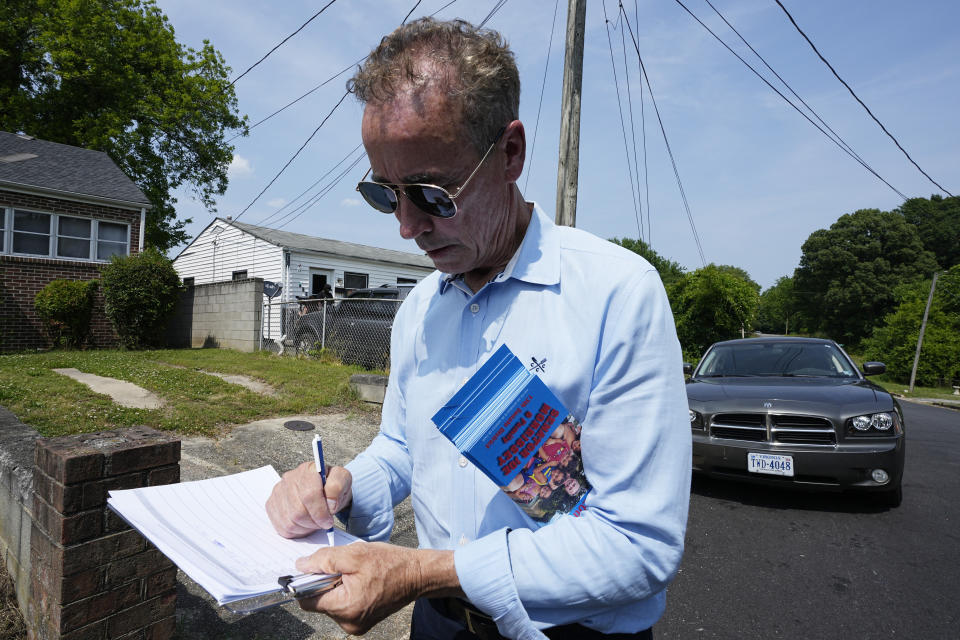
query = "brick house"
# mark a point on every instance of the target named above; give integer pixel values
(64, 211)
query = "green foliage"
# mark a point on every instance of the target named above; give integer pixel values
(670, 271)
(848, 273)
(740, 273)
(711, 304)
(65, 307)
(110, 75)
(777, 307)
(895, 342)
(938, 222)
(140, 292)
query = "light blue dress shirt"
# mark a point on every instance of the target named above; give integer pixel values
(596, 317)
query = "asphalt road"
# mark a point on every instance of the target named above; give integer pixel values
(767, 563)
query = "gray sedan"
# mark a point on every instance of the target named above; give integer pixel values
(797, 412)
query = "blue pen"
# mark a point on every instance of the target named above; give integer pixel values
(322, 470)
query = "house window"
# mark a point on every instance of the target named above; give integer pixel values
(31, 233)
(406, 281)
(52, 235)
(188, 282)
(239, 275)
(354, 280)
(112, 240)
(73, 237)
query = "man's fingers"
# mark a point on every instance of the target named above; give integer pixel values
(338, 489)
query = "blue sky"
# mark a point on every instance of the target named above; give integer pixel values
(759, 179)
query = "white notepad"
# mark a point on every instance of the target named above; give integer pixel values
(218, 533)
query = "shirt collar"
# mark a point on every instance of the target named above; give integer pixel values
(536, 261)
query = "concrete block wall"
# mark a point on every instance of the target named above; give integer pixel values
(220, 314)
(17, 444)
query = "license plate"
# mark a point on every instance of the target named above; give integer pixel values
(770, 463)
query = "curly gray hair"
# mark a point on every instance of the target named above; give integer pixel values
(474, 66)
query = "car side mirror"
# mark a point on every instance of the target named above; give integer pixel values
(687, 368)
(873, 368)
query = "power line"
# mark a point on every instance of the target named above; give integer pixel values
(280, 44)
(837, 75)
(273, 215)
(663, 131)
(346, 93)
(643, 129)
(496, 8)
(788, 101)
(633, 131)
(323, 192)
(292, 158)
(410, 13)
(295, 101)
(623, 127)
(543, 86)
(797, 96)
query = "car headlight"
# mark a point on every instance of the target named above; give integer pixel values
(872, 422)
(696, 420)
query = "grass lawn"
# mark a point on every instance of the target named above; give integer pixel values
(902, 389)
(195, 403)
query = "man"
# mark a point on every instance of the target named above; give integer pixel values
(446, 150)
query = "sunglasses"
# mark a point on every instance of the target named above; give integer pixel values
(429, 198)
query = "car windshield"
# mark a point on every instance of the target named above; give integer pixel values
(782, 359)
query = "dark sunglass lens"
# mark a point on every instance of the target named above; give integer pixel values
(433, 200)
(378, 196)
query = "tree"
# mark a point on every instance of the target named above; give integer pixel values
(109, 75)
(847, 274)
(938, 222)
(139, 294)
(669, 270)
(711, 304)
(776, 308)
(895, 342)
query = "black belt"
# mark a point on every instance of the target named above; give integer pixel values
(481, 625)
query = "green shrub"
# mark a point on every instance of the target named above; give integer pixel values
(140, 292)
(65, 307)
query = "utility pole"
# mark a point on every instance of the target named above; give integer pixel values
(569, 165)
(923, 327)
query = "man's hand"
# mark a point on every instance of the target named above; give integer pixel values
(300, 504)
(378, 579)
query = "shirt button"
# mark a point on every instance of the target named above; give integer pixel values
(463, 540)
(463, 461)
(474, 307)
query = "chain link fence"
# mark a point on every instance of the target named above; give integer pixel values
(354, 330)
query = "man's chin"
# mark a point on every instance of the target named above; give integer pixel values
(445, 259)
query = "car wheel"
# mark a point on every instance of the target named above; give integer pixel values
(891, 498)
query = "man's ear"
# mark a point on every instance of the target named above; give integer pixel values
(515, 146)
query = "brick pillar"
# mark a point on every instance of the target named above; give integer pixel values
(92, 576)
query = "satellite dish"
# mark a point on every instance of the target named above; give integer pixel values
(271, 289)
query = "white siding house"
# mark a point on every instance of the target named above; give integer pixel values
(300, 264)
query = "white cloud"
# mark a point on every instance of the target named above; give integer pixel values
(239, 167)
(351, 202)
(277, 202)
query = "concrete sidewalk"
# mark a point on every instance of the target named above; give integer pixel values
(267, 442)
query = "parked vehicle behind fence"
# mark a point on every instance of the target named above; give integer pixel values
(356, 329)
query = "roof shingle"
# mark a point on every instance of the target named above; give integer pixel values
(42, 164)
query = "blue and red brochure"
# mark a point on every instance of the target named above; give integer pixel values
(507, 422)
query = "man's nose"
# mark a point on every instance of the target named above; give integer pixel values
(413, 221)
